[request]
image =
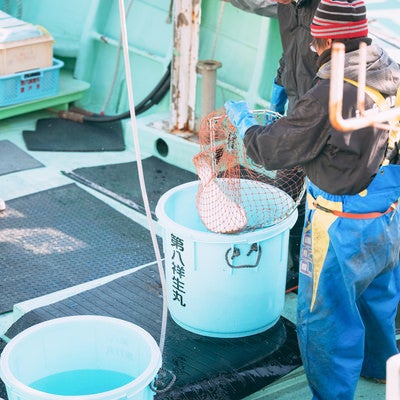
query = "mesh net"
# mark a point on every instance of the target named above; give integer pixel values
(234, 194)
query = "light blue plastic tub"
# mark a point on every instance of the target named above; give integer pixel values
(221, 285)
(81, 357)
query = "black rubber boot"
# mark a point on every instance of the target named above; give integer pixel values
(292, 277)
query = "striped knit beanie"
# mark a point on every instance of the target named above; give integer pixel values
(338, 19)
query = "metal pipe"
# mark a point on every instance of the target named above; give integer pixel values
(187, 17)
(362, 76)
(370, 118)
(336, 86)
(208, 71)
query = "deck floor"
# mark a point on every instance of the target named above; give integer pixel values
(292, 386)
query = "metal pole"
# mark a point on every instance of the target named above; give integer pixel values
(184, 61)
(208, 71)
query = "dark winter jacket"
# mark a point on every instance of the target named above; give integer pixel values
(337, 162)
(297, 67)
(298, 64)
(266, 8)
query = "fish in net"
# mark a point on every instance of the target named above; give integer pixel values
(234, 194)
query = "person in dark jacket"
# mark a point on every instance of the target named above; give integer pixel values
(295, 76)
(349, 281)
(297, 66)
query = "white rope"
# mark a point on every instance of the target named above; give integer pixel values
(217, 29)
(140, 171)
(116, 68)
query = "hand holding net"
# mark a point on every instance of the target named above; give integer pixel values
(234, 194)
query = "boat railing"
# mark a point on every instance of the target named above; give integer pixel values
(373, 117)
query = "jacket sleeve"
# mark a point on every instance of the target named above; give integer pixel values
(266, 8)
(290, 141)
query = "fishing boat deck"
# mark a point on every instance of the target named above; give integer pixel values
(89, 44)
(23, 183)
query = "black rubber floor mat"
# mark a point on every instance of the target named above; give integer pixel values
(14, 159)
(205, 368)
(61, 237)
(57, 134)
(121, 181)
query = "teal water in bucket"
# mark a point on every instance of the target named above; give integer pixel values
(82, 382)
(208, 292)
(81, 357)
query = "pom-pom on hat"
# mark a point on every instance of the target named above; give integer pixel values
(338, 19)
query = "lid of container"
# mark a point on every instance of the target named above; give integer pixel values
(13, 29)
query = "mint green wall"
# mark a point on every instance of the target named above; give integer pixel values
(249, 48)
(87, 34)
(63, 19)
(150, 42)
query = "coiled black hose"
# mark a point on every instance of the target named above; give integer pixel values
(153, 98)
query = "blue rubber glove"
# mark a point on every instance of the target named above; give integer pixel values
(240, 115)
(278, 98)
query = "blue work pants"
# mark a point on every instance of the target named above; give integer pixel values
(349, 286)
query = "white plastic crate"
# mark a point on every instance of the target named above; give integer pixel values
(23, 46)
(30, 85)
(27, 54)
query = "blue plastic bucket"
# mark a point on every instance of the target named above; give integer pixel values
(221, 285)
(81, 357)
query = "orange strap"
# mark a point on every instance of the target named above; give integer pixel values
(356, 215)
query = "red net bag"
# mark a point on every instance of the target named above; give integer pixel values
(234, 194)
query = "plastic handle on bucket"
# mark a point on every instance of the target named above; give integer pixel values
(158, 381)
(236, 253)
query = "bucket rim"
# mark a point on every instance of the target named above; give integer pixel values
(205, 236)
(139, 383)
